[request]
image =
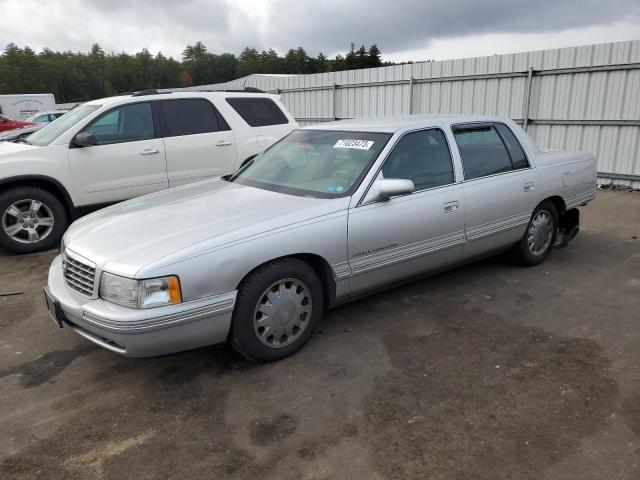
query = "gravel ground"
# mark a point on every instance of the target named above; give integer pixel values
(489, 371)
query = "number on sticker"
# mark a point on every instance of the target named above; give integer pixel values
(354, 143)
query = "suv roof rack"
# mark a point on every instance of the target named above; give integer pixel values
(148, 91)
(236, 90)
(153, 91)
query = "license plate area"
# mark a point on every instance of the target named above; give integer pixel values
(53, 306)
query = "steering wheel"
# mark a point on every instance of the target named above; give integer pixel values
(344, 177)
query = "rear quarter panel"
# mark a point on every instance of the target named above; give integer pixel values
(250, 141)
(570, 175)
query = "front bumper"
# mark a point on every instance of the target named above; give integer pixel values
(143, 332)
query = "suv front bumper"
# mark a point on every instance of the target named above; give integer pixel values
(142, 332)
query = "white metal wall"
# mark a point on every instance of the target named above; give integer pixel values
(581, 98)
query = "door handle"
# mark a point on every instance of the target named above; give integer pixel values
(223, 143)
(529, 187)
(451, 206)
(150, 151)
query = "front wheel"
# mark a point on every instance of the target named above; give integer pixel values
(276, 310)
(31, 219)
(538, 239)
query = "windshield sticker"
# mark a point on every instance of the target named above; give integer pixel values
(353, 143)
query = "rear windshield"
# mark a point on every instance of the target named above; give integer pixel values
(258, 112)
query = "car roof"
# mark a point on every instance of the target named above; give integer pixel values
(183, 94)
(401, 123)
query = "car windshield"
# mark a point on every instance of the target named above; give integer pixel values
(314, 163)
(53, 130)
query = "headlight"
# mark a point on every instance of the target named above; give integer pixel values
(153, 292)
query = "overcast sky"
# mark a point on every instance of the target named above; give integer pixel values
(403, 29)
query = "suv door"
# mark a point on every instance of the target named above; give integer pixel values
(412, 234)
(198, 141)
(499, 186)
(128, 160)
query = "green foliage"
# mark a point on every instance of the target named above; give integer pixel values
(78, 76)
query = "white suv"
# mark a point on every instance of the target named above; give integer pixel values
(113, 149)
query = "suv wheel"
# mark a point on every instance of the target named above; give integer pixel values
(31, 219)
(276, 310)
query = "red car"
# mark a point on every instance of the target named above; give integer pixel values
(8, 124)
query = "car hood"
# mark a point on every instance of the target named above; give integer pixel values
(10, 150)
(181, 222)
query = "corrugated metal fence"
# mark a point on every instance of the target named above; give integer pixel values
(577, 98)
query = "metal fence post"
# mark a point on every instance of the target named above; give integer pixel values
(527, 99)
(411, 95)
(333, 101)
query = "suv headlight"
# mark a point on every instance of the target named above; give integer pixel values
(153, 292)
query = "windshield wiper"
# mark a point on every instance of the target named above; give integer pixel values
(22, 140)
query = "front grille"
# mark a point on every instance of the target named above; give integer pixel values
(79, 275)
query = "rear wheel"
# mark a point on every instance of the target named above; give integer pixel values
(277, 308)
(31, 219)
(538, 239)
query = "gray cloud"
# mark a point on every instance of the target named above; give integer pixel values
(324, 25)
(400, 25)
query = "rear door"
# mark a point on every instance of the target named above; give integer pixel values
(198, 141)
(412, 234)
(499, 186)
(127, 162)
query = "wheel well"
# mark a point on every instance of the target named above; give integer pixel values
(558, 202)
(318, 264)
(47, 184)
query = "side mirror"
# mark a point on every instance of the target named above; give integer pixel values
(392, 187)
(385, 188)
(85, 139)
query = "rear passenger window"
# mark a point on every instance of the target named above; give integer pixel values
(258, 112)
(518, 158)
(422, 157)
(482, 151)
(189, 116)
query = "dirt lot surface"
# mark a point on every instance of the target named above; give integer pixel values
(489, 371)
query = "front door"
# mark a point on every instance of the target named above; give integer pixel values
(413, 234)
(128, 160)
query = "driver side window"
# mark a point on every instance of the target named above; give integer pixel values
(422, 157)
(128, 123)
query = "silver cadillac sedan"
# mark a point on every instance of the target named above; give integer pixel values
(329, 213)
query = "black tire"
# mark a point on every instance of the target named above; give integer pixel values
(49, 240)
(521, 253)
(243, 336)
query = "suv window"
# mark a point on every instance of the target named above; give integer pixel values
(482, 150)
(190, 116)
(422, 157)
(258, 112)
(127, 123)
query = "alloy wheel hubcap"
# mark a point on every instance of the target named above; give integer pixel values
(540, 232)
(282, 313)
(27, 221)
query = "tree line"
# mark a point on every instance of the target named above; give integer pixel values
(79, 76)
